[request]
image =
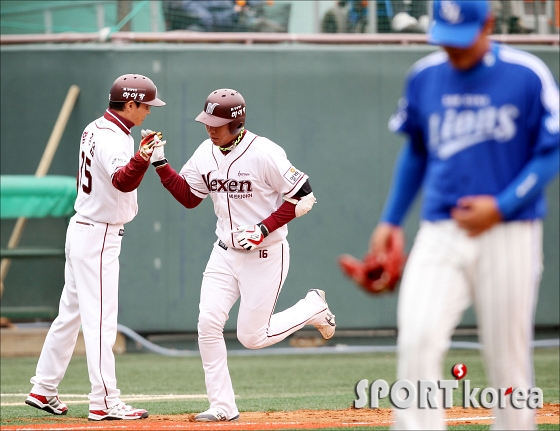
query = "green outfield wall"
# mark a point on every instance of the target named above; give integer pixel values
(328, 106)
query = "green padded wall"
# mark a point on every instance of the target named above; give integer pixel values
(328, 106)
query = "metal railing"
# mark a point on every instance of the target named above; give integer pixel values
(250, 38)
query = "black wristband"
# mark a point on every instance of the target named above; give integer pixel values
(160, 163)
(264, 229)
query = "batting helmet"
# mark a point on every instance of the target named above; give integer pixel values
(224, 106)
(134, 87)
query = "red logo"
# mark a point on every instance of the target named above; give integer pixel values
(459, 371)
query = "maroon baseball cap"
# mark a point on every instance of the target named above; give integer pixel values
(134, 87)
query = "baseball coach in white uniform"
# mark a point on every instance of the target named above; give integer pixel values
(256, 191)
(109, 174)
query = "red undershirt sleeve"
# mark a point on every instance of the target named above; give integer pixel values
(178, 186)
(128, 177)
(284, 214)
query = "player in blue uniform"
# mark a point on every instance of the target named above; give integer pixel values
(482, 124)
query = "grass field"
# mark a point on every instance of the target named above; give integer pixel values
(262, 383)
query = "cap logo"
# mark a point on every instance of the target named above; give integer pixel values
(210, 108)
(451, 12)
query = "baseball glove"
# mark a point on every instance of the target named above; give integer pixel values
(372, 274)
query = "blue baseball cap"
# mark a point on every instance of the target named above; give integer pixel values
(458, 23)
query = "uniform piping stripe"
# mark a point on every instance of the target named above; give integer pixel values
(196, 190)
(295, 326)
(227, 196)
(277, 292)
(295, 185)
(275, 301)
(213, 148)
(104, 128)
(192, 188)
(101, 313)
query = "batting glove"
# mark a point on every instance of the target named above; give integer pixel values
(250, 236)
(147, 143)
(158, 157)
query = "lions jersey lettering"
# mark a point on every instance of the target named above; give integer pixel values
(462, 129)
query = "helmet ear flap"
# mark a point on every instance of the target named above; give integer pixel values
(235, 127)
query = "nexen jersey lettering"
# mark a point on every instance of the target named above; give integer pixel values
(487, 117)
(104, 149)
(245, 185)
(226, 185)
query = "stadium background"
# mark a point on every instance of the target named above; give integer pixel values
(326, 104)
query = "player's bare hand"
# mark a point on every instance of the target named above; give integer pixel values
(476, 214)
(379, 241)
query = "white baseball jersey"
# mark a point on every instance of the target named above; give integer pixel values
(105, 147)
(246, 185)
(93, 244)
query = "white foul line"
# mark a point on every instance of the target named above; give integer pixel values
(85, 400)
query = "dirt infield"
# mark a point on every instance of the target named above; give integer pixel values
(301, 419)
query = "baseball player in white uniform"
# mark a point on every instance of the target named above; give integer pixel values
(109, 173)
(256, 191)
(481, 121)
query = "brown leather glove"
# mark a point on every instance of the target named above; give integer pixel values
(370, 274)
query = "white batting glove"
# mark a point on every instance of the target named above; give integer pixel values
(158, 156)
(250, 236)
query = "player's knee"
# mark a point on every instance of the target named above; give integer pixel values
(250, 341)
(209, 325)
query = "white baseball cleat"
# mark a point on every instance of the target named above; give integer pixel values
(50, 404)
(213, 415)
(328, 324)
(118, 412)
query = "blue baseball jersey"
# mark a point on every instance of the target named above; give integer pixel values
(478, 128)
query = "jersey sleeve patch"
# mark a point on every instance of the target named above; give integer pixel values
(293, 175)
(118, 162)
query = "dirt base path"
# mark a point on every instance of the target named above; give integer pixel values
(301, 419)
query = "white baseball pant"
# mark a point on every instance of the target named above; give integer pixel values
(447, 271)
(231, 274)
(89, 298)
